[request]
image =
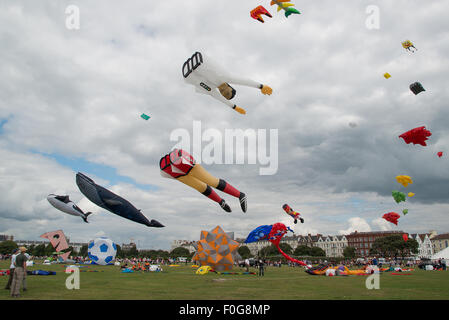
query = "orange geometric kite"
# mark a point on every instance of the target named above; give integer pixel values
(215, 249)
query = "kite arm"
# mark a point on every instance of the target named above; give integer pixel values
(217, 95)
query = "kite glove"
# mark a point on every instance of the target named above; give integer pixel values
(266, 90)
(240, 110)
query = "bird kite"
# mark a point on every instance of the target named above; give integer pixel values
(274, 234)
(417, 135)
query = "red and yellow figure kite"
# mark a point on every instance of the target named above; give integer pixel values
(293, 214)
(181, 166)
(417, 135)
(257, 13)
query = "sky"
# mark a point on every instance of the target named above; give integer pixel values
(72, 92)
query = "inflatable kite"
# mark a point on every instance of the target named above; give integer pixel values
(293, 214)
(405, 237)
(108, 200)
(417, 88)
(410, 194)
(404, 180)
(398, 196)
(215, 249)
(440, 154)
(387, 75)
(64, 204)
(407, 44)
(404, 211)
(58, 241)
(181, 166)
(209, 78)
(257, 13)
(274, 234)
(286, 6)
(417, 135)
(102, 251)
(144, 116)
(392, 217)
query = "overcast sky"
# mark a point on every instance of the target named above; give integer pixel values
(71, 100)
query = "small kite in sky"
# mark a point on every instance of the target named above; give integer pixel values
(404, 180)
(417, 135)
(387, 75)
(64, 204)
(392, 217)
(440, 154)
(398, 196)
(407, 44)
(144, 116)
(257, 13)
(405, 211)
(410, 194)
(405, 237)
(416, 88)
(293, 214)
(286, 6)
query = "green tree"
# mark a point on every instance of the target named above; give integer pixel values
(39, 250)
(302, 251)
(268, 251)
(83, 251)
(317, 252)
(286, 248)
(349, 252)
(394, 246)
(180, 252)
(6, 247)
(244, 252)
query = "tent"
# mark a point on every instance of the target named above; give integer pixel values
(443, 254)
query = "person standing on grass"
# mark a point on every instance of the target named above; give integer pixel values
(19, 272)
(261, 268)
(12, 267)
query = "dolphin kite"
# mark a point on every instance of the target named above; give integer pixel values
(110, 201)
(64, 204)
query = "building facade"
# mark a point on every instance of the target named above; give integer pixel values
(440, 242)
(425, 248)
(332, 245)
(5, 237)
(363, 241)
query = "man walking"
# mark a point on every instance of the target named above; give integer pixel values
(19, 272)
(15, 253)
(261, 268)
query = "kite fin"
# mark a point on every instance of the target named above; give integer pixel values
(155, 224)
(85, 216)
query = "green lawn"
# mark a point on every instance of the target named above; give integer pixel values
(181, 283)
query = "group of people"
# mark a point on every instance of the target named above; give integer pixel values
(17, 272)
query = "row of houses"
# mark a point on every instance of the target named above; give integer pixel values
(428, 243)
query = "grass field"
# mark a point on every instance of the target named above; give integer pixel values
(181, 283)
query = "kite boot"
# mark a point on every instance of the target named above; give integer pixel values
(296, 221)
(225, 206)
(239, 110)
(242, 199)
(302, 220)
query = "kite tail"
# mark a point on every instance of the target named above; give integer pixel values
(290, 258)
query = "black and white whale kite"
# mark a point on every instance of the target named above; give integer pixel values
(66, 205)
(110, 201)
